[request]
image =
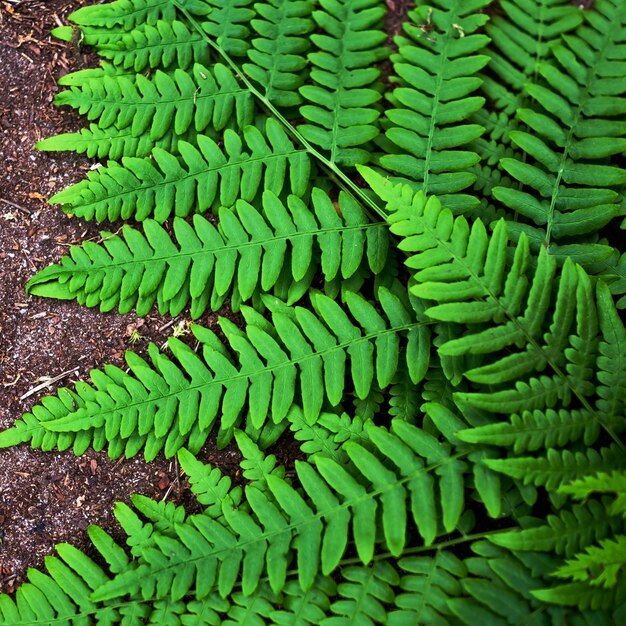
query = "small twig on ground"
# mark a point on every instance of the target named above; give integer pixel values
(47, 383)
(16, 206)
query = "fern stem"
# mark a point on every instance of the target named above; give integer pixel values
(342, 179)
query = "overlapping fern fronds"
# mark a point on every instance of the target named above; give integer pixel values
(204, 177)
(303, 357)
(569, 191)
(457, 382)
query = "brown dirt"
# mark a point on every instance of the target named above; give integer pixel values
(46, 498)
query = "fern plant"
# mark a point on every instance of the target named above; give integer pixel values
(425, 265)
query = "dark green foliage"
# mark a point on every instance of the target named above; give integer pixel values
(205, 177)
(248, 253)
(436, 67)
(341, 98)
(455, 374)
(164, 44)
(278, 52)
(152, 106)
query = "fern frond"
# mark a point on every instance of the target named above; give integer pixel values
(63, 595)
(614, 483)
(304, 608)
(558, 467)
(208, 484)
(611, 363)
(569, 192)
(127, 13)
(90, 35)
(206, 176)
(163, 45)
(500, 588)
(341, 100)
(363, 595)
(428, 585)
(335, 507)
(566, 533)
(227, 23)
(249, 252)
(522, 33)
(181, 101)
(606, 602)
(328, 434)
(597, 565)
(79, 77)
(112, 142)
(404, 398)
(256, 466)
(309, 358)
(437, 63)
(475, 278)
(536, 430)
(278, 52)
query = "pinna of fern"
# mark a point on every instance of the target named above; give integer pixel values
(473, 277)
(301, 357)
(340, 109)
(205, 176)
(247, 254)
(166, 574)
(436, 70)
(569, 189)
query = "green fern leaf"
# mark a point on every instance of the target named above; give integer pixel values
(500, 587)
(227, 23)
(363, 593)
(427, 586)
(255, 464)
(127, 13)
(112, 142)
(168, 403)
(209, 486)
(597, 565)
(163, 45)
(259, 538)
(566, 533)
(611, 365)
(205, 177)
(584, 597)
(304, 608)
(340, 110)
(246, 253)
(569, 190)
(602, 483)
(201, 99)
(277, 54)
(536, 430)
(558, 467)
(327, 435)
(436, 64)
(522, 35)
